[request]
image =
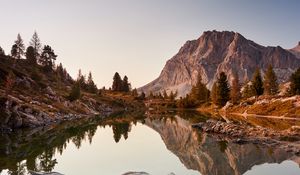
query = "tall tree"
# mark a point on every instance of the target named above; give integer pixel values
(270, 82)
(30, 57)
(35, 42)
(247, 90)
(165, 94)
(117, 82)
(14, 51)
(81, 79)
(199, 92)
(295, 83)
(48, 58)
(19, 47)
(125, 84)
(91, 86)
(235, 94)
(2, 53)
(223, 89)
(257, 83)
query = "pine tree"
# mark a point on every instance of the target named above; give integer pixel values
(30, 57)
(91, 86)
(151, 95)
(81, 80)
(223, 90)
(125, 84)
(235, 94)
(117, 82)
(199, 92)
(35, 42)
(295, 83)
(2, 53)
(48, 58)
(19, 47)
(257, 83)
(172, 96)
(134, 92)
(14, 51)
(270, 82)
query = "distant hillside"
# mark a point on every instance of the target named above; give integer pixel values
(215, 52)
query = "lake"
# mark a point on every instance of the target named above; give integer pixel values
(157, 145)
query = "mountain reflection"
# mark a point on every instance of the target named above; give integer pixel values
(210, 155)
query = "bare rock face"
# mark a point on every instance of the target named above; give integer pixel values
(215, 52)
(296, 50)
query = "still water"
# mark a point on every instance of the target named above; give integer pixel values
(159, 146)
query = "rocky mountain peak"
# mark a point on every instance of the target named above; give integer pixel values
(217, 51)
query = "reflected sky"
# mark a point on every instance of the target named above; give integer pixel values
(142, 151)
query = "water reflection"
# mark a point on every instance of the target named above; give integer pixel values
(208, 154)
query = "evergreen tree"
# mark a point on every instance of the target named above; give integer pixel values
(75, 92)
(81, 80)
(18, 47)
(125, 84)
(35, 42)
(257, 83)
(14, 51)
(117, 82)
(151, 95)
(172, 96)
(223, 90)
(270, 82)
(235, 94)
(91, 86)
(199, 92)
(295, 83)
(2, 53)
(48, 58)
(30, 57)
(60, 72)
(134, 92)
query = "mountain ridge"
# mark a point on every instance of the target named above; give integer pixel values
(214, 52)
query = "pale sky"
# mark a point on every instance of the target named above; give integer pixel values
(137, 37)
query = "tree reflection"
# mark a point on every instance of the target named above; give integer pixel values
(47, 163)
(120, 129)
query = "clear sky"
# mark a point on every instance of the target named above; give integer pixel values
(137, 37)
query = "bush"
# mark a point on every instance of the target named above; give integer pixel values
(75, 92)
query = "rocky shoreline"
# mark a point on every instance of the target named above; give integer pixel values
(288, 139)
(17, 113)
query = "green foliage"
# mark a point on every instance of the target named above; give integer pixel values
(199, 92)
(75, 92)
(270, 82)
(18, 48)
(91, 86)
(30, 55)
(117, 82)
(221, 90)
(48, 58)
(120, 85)
(35, 42)
(295, 83)
(257, 83)
(186, 102)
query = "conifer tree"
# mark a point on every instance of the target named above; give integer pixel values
(270, 82)
(235, 94)
(295, 83)
(165, 94)
(48, 58)
(199, 92)
(117, 82)
(14, 51)
(18, 47)
(125, 84)
(75, 92)
(223, 89)
(248, 91)
(91, 86)
(35, 42)
(81, 80)
(30, 57)
(257, 83)
(151, 95)
(172, 96)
